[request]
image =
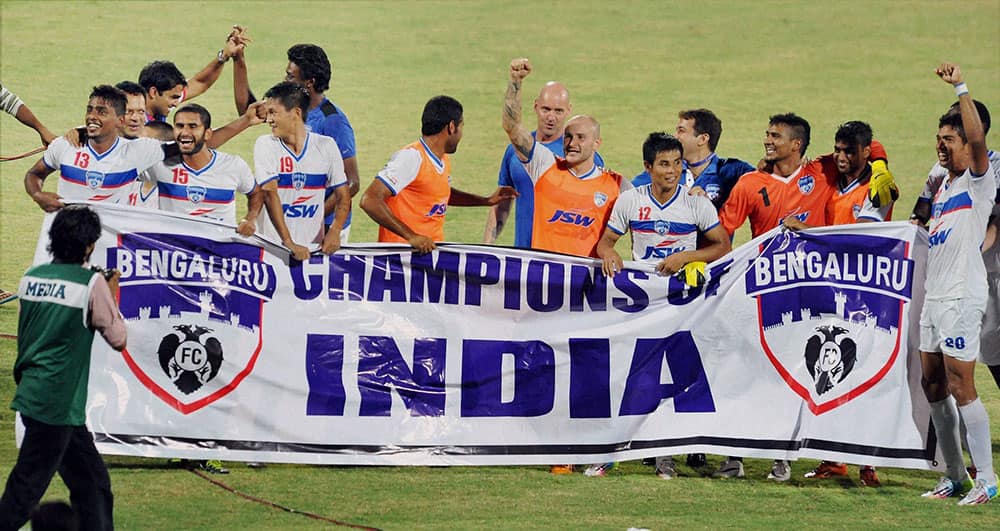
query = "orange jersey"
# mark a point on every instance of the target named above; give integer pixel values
(571, 212)
(767, 199)
(421, 186)
(850, 204)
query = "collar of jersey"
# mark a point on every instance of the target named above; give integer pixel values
(100, 156)
(438, 163)
(305, 147)
(203, 170)
(587, 175)
(677, 191)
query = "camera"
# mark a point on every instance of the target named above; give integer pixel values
(108, 273)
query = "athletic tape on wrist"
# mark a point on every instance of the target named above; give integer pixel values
(961, 89)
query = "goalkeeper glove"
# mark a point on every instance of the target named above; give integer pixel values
(882, 188)
(692, 274)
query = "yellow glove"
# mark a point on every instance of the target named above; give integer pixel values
(693, 274)
(882, 188)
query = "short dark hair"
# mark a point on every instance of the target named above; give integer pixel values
(73, 230)
(112, 96)
(438, 113)
(131, 88)
(855, 134)
(163, 75)
(161, 130)
(705, 122)
(798, 125)
(657, 143)
(954, 120)
(206, 117)
(984, 114)
(313, 64)
(291, 95)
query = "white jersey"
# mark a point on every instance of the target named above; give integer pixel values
(209, 192)
(302, 182)
(934, 179)
(85, 175)
(959, 213)
(149, 197)
(659, 230)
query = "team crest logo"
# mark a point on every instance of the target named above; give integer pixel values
(831, 311)
(600, 198)
(94, 179)
(190, 357)
(856, 210)
(195, 309)
(830, 356)
(806, 184)
(196, 193)
(298, 180)
(661, 227)
(712, 190)
(938, 209)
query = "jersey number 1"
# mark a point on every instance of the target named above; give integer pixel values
(763, 194)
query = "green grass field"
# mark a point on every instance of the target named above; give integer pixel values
(632, 65)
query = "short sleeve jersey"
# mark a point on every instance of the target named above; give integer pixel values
(328, 119)
(512, 173)
(209, 192)
(302, 180)
(851, 203)
(766, 199)
(420, 183)
(571, 210)
(659, 230)
(85, 175)
(959, 212)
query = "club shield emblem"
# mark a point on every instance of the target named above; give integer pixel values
(194, 309)
(94, 179)
(829, 321)
(661, 227)
(600, 198)
(196, 194)
(298, 180)
(806, 184)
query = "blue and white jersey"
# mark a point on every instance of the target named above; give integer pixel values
(209, 192)
(959, 213)
(659, 230)
(328, 119)
(302, 182)
(86, 175)
(512, 173)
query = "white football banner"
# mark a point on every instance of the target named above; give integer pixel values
(799, 345)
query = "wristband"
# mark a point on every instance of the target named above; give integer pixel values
(221, 57)
(961, 89)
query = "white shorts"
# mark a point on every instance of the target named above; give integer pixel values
(990, 335)
(952, 328)
(345, 235)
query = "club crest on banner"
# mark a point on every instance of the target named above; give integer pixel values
(94, 179)
(194, 309)
(830, 311)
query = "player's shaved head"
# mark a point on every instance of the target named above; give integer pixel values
(554, 91)
(584, 119)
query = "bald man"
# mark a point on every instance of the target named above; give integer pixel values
(573, 196)
(552, 106)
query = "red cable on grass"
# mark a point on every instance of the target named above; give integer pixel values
(23, 155)
(262, 501)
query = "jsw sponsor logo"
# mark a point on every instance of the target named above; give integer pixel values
(300, 211)
(573, 218)
(659, 252)
(438, 210)
(938, 237)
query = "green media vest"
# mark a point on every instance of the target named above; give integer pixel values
(53, 344)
